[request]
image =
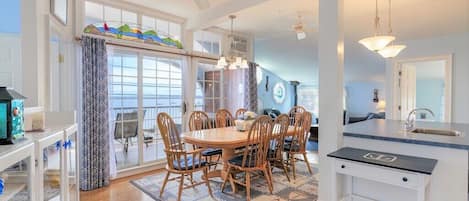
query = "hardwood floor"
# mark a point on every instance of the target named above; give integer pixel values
(119, 190)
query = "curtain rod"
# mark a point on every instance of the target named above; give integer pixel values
(155, 50)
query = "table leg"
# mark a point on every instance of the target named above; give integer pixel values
(227, 155)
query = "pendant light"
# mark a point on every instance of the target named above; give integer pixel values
(391, 50)
(377, 42)
(232, 62)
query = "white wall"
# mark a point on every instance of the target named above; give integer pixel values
(458, 46)
(360, 97)
(298, 60)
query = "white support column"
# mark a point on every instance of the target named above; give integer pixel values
(331, 70)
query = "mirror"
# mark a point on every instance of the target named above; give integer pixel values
(425, 83)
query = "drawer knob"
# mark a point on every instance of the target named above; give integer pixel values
(342, 166)
(404, 179)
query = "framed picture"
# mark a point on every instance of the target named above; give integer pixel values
(59, 10)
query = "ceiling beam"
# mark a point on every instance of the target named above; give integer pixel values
(218, 14)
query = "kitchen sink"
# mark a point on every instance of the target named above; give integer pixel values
(437, 132)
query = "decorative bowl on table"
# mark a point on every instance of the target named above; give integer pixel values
(245, 122)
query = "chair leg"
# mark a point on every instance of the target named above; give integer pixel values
(307, 164)
(248, 186)
(225, 179)
(207, 181)
(284, 167)
(232, 183)
(191, 178)
(164, 183)
(268, 178)
(292, 163)
(181, 186)
(218, 160)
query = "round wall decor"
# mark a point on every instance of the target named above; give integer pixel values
(279, 92)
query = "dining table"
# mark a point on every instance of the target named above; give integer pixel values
(228, 139)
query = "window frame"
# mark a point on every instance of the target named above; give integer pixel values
(221, 81)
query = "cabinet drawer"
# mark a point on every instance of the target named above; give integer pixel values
(380, 174)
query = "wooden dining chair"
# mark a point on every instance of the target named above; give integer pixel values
(179, 161)
(223, 118)
(199, 120)
(297, 145)
(275, 154)
(240, 113)
(254, 158)
(296, 113)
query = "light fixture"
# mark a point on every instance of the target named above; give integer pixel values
(377, 42)
(391, 50)
(381, 106)
(232, 61)
(299, 29)
(300, 35)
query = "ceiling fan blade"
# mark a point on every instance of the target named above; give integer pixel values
(202, 4)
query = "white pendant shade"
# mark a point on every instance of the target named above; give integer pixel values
(391, 51)
(376, 43)
(232, 66)
(222, 62)
(244, 64)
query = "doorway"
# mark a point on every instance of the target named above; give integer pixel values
(424, 83)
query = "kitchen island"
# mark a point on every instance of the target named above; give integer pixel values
(449, 180)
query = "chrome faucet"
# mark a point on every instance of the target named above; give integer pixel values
(410, 122)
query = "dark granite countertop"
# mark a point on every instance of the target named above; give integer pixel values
(393, 130)
(402, 162)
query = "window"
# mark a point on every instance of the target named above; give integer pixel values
(164, 28)
(140, 87)
(115, 17)
(207, 42)
(309, 99)
(11, 44)
(208, 91)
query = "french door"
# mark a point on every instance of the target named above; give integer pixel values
(142, 84)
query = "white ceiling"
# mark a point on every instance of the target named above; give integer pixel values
(278, 50)
(182, 8)
(411, 19)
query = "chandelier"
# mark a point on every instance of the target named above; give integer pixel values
(377, 42)
(232, 61)
(392, 50)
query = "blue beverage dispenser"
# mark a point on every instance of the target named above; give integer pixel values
(11, 116)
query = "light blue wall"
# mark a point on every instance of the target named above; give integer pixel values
(265, 98)
(360, 97)
(429, 94)
(10, 16)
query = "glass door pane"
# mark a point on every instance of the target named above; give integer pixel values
(123, 104)
(52, 170)
(162, 92)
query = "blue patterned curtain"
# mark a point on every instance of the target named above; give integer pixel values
(94, 152)
(250, 87)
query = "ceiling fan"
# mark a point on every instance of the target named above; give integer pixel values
(299, 29)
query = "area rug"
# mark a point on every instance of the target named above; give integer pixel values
(304, 188)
